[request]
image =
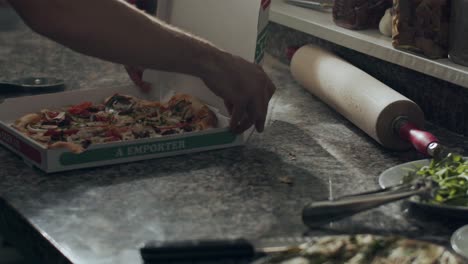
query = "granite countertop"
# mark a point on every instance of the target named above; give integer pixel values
(102, 215)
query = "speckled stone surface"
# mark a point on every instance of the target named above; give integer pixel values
(443, 103)
(103, 215)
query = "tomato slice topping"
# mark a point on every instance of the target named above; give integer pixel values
(112, 139)
(80, 109)
(53, 132)
(101, 118)
(113, 133)
(70, 132)
(52, 114)
(180, 125)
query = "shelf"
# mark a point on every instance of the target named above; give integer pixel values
(370, 42)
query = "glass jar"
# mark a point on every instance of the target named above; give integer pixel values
(359, 14)
(458, 51)
(422, 27)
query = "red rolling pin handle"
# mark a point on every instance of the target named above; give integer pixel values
(290, 51)
(419, 138)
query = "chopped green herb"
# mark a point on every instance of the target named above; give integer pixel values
(451, 174)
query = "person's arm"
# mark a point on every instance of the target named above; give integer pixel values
(115, 31)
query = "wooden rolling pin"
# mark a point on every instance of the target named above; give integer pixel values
(390, 118)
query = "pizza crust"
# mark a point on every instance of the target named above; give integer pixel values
(196, 104)
(204, 118)
(74, 148)
(25, 120)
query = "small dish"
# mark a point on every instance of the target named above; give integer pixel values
(459, 241)
(394, 175)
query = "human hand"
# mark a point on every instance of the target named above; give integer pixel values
(245, 88)
(136, 75)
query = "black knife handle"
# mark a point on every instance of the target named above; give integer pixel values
(196, 250)
(9, 88)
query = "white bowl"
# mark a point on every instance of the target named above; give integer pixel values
(459, 241)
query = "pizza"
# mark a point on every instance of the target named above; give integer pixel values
(364, 249)
(117, 118)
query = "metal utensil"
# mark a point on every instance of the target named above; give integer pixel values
(322, 212)
(217, 251)
(31, 85)
(394, 176)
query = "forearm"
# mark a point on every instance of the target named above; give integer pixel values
(114, 31)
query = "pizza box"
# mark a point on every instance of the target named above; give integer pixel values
(54, 160)
(226, 33)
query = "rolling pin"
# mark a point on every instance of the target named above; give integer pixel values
(391, 119)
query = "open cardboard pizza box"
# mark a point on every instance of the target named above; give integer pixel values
(236, 26)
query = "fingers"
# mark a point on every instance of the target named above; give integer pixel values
(244, 118)
(246, 91)
(261, 109)
(136, 75)
(145, 87)
(255, 111)
(245, 124)
(260, 124)
(237, 116)
(229, 106)
(258, 113)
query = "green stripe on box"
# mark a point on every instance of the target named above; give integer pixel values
(261, 45)
(160, 147)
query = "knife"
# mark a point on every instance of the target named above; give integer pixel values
(239, 250)
(322, 212)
